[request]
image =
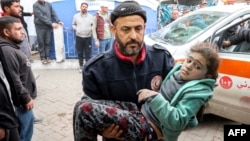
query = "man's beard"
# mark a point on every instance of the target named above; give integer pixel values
(16, 15)
(84, 11)
(17, 41)
(128, 52)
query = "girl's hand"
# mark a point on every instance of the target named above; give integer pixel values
(144, 94)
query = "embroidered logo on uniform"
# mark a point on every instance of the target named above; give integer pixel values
(156, 83)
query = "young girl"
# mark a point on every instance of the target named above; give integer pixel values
(164, 114)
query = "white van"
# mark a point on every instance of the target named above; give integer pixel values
(214, 24)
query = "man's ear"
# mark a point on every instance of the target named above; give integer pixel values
(6, 32)
(113, 29)
(5, 9)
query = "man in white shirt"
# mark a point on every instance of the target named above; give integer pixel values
(82, 24)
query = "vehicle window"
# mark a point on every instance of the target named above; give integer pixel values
(187, 28)
(238, 37)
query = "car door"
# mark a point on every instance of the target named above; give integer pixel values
(232, 94)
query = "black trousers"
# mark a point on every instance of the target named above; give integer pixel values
(84, 49)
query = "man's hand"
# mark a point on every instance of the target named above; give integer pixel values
(226, 44)
(97, 43)
(61, 23)
(30, 105)
(113, 132)
(2, 133)
(55, 25)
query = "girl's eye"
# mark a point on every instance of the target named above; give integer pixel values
(197, 67)
(189, 60)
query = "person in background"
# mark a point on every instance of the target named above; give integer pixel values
(165, 113)
(101, 29)
(9, 10)
(130, 65)
(203, 4)
(24, 45)
(17, 69)
(174, 16)
(238, 37)
(185, 11)
(25, 26)
(45, 19)
(9, 120)
(82, 24)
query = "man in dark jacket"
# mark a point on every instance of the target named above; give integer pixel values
(25, 26)
(129, 66)
(9, 120)
(242, 35)
(45, 19)
(241, 39)
(12, 8)
(17, 69)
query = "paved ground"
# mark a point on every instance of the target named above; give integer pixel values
(59, 89)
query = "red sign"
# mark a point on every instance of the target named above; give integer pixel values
(226, 82)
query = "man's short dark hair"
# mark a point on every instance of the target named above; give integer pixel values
(84, 4)
(7, 3)
(6, 22)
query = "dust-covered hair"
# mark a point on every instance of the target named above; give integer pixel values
(210, 52)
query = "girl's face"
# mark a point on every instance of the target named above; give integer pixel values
(194, 67)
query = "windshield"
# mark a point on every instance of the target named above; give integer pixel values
(187, 28)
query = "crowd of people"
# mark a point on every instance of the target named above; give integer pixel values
(132, 91)
(176, 13)
(18, 83)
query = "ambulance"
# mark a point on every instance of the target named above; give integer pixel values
(215, 24)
